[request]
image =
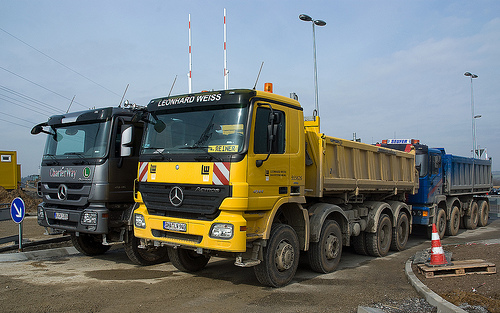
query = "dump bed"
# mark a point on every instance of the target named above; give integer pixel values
(459, 178)
(345, 168)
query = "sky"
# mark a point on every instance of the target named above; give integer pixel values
(386, 69)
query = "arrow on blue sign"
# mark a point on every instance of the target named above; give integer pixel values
(17, 210)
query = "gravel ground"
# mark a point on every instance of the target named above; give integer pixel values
(396, 296)
(414, 305)
(474, 292)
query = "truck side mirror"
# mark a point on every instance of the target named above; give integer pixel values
(39, 129)
(159, 126)
(435, 164)
(36, 129)
(272, 129)
(139, 116)
(127, 140)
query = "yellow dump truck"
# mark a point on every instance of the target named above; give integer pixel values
(240, 174)
(10, 171)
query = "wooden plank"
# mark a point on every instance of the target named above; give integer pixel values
(458, 268)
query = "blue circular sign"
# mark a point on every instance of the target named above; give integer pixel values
(17, 210)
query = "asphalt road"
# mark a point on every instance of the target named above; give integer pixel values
(111, 283)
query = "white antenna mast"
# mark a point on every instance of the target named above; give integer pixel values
(121, 101)
(226, 72)
(172, 86)
(71, 103)
(190, 59)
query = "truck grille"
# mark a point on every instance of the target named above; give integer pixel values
(77, 194)
(197, 200)
(171, 235)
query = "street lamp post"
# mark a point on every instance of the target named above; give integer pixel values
(307, 18)
(469, 74)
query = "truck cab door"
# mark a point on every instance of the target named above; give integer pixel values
(122, 169)
(435, 176)
(268, 160)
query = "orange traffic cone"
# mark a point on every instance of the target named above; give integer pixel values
(437, 252)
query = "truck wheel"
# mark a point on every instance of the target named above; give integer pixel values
(441, 223)
(484, 212)
(378, 243)
(187, 260)
(89, 244)
(470, 221)
(400, 233)
(147, 256)
(453, 224)
(281, 257)
(359, 243)
(324, 256)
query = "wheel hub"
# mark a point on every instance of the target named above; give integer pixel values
(284, 256)
(331, 247)
(384, 236)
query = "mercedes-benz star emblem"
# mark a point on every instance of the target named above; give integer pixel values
(62, 192)
(176, 196)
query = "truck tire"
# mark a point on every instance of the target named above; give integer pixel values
(400, 233)
(281, 257)
(453, 224)
(484, 212)
(89, 244)
(187, 260)
(378, 243)
(359, 243)
(470, 221)
(324, 255)
(147, 256)
(441, 223)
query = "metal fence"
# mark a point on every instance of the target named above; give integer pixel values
(4, 216)
(494, 206)
(4, 213)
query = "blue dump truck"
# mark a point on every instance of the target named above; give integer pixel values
(452, 189)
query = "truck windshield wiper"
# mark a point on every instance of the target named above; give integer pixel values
(79, 154)
(207, 133)
(209, 156)
(56, 162)
(159, 155)
(194, 147)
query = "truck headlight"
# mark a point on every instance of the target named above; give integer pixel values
(40, 213)
(222, 231)
(89, 218)
(39, 189)
(139, 220)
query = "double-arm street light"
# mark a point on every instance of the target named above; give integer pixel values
(307, 18)
(473, 174)
(469, 74)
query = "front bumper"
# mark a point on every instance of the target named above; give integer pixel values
(96, 221)
(197, 234)
(422, 215)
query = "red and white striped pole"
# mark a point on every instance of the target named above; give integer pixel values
(190, 59)
(226, 72)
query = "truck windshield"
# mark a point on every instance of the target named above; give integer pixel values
(422, 164)
(218, 130)
(78, 141)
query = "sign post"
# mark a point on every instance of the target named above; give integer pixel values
(17, 212)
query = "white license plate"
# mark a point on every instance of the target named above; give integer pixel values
(61, 216)
(175, 226)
